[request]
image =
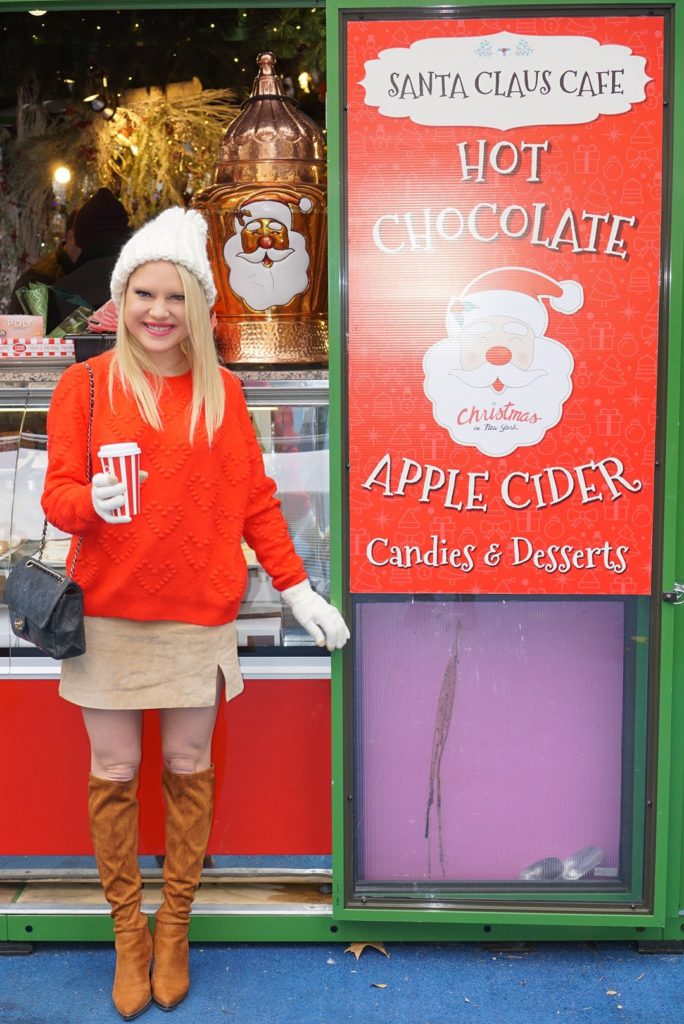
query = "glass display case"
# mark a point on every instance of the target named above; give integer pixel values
(291, 420)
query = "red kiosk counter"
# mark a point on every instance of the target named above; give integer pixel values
(269, 851)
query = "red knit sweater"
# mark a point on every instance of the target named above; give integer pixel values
(180, 559)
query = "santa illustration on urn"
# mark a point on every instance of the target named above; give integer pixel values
(267, 259)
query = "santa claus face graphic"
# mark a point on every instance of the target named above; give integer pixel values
(497, 347)
(498, 383)
(267, 260)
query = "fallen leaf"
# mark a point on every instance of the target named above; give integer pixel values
(357, 948)
(378, 984)
(611, 992)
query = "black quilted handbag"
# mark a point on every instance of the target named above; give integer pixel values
(45, 607)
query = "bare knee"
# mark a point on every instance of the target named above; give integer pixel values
(114, 771)
(187, 762)
(185, 755)
(186, 739)
(115, 742)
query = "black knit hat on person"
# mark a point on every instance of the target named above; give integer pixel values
(102, 220)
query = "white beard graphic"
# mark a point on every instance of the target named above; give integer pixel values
(260, 287)
(496, 422)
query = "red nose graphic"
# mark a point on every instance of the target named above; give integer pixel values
(266, 242)
(498, 355)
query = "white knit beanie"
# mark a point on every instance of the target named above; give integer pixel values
(177, 235)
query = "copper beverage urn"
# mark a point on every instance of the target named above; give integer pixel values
(267, 215)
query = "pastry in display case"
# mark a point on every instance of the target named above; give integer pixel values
(291, 422)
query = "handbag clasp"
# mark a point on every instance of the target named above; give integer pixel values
(32, 563)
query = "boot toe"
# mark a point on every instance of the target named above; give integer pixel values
(170, 973)
(169, 998)
(132, 993)
(131, 1004)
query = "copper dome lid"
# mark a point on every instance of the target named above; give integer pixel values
(271, 139)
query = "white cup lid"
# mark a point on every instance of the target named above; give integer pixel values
(123, 448)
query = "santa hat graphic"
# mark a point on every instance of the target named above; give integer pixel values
(274, 208)
(516, 292)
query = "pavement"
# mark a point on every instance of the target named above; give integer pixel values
(430, 983)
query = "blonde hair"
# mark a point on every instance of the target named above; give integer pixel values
(132, 367)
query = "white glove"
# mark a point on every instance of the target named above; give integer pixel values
(321, 621)
(107, 494)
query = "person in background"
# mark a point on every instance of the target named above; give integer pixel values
(162, 588)
(100, 229)
(50, 268)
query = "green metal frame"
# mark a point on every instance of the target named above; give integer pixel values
(666, 772)
(286, 928)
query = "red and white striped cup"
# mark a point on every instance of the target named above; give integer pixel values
(123, 461)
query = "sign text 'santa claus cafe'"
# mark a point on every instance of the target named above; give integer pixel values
(504, 217)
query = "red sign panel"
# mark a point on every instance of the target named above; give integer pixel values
(504, 217)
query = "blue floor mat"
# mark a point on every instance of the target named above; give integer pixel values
(322, 984)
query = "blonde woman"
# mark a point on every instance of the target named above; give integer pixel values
(162, 589)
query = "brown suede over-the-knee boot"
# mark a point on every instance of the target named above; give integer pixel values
(189, 808)
(113, 810)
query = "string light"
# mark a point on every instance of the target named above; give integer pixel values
(305, 81)
(62, 175)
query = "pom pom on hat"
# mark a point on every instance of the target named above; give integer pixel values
(176, 235)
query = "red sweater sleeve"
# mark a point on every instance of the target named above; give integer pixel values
(265, 528)
(66, 498)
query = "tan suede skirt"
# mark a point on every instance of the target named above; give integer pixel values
(137, 665)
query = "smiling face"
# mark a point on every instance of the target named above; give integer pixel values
(155, 314)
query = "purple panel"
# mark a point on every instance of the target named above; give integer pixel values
(510, 713)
